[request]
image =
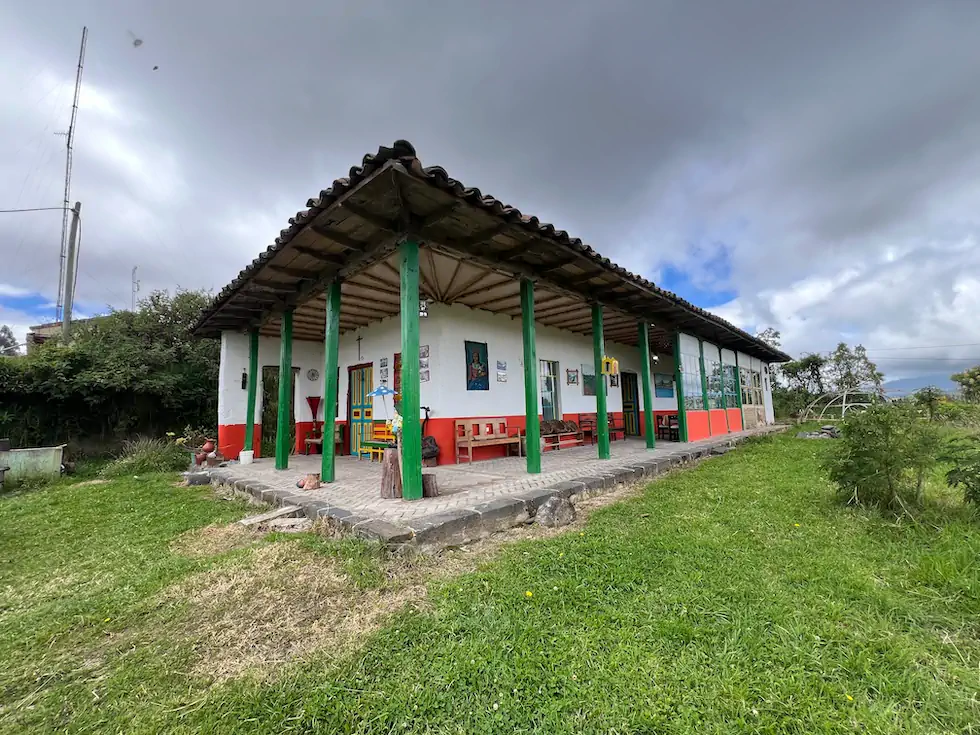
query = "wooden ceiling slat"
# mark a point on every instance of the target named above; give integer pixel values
(498, 300)
(392, 289)
(333, 259)
(482, 289)
(468, 284)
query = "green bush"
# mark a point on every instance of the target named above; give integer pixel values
(964, 454)
(144, 455)
(883, 456)
(959, 413)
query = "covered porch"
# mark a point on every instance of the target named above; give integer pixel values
(473, 501)
(394, 241)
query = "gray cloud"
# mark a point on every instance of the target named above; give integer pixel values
(805, 140)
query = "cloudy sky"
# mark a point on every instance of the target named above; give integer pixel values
(809, 166)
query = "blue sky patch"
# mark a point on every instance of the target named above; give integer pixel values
(710, 288)
(39, 307)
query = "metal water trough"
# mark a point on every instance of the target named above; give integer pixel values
(18, 464)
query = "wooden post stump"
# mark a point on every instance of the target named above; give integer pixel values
(391, 474)
(430, 487)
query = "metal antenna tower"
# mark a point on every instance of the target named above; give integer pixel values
(69, 139)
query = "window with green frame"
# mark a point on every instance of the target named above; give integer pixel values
(691, 380)
(731, 387)
(713, 369)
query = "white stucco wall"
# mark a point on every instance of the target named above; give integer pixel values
(445, 330)
(232, 399)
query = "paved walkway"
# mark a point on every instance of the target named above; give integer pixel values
(502, 485)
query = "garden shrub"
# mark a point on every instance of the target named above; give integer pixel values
(883, 456)
(959, 413)
(963, 453)
(144, 455)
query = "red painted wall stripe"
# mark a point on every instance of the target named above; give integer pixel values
(718, 425)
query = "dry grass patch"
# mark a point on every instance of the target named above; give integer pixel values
(280, 604)
(284, 601)
(213, 540)
(86, 483)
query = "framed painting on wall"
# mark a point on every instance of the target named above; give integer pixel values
(571, 376)
(477, 366)
(588, 379)
(663, 385)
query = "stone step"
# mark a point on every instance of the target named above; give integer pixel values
(287, 525)
(286, 511)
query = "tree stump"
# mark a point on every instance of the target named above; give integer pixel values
(430, 487)
(391, 474)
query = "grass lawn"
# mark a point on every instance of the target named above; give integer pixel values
(732, 597)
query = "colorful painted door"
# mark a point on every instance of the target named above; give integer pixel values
(631, 404)
(361, 407)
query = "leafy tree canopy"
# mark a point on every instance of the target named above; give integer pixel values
(969, 381)
(123, 373)
(8, 343)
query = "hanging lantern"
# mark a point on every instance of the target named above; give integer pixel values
(610, 366)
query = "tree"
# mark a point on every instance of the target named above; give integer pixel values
(773, 338)
(969, 381)
(8, 343)
(929, 399)
(851, 369)
(806, 374)
(124, 373)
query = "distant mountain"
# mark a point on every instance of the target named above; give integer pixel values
(905, 386)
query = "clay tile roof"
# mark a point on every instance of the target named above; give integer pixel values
(402, 152)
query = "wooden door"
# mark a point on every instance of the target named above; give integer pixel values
(631, 404)
(361, 415)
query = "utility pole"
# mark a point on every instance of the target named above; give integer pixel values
(136, 286)
(70, 139)
(70, 264)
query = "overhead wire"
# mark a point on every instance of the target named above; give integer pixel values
(32, 209)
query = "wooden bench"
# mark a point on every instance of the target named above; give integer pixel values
(590, 428)
(315, 439)
(382, 438)
(485, 432)
(556, 434)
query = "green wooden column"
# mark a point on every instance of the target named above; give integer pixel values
(411, 434)
(650, 431)
(738, 390)
(285, 390)
(532, 431)
(253, 369)
(679, 381)
(601, 414)
(331, 349)
(724, 400)
(704, 383)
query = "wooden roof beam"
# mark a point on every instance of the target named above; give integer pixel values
(382, 223)
(331, 258)
(486, 287)
(291, 272)
(562, 309)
